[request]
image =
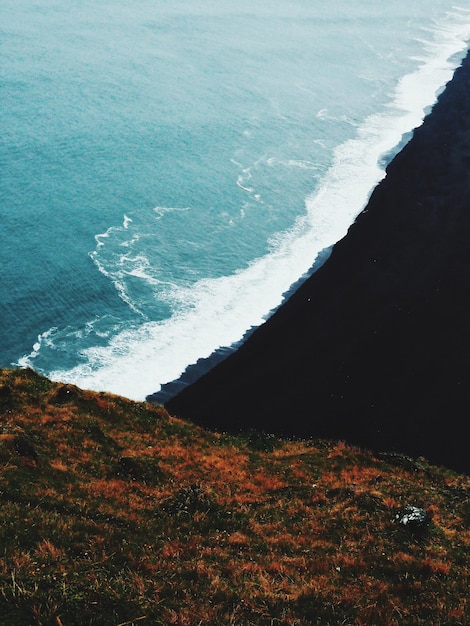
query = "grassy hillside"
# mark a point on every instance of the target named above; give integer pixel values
(113, 512)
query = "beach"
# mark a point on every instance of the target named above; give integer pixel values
(374, 347)
(170, 172)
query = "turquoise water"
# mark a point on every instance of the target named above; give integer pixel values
(169, 170)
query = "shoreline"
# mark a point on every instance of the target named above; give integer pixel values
(195, 371)
(375, 346)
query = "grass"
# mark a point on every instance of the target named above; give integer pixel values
(113, 512)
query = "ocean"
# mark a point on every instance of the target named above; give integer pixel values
(170, 169)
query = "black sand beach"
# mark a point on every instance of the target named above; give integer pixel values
(374, 348)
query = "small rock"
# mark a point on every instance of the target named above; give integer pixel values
(399, 460)
(413, 518)
(64, 394)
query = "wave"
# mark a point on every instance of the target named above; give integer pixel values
(217, 312)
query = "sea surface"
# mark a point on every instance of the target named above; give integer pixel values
(169, 169)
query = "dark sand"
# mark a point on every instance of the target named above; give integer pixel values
(374, 348)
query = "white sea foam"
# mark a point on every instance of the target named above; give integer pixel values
(44, 339)
(217, 312)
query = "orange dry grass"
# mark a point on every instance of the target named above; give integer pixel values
(127, 515)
